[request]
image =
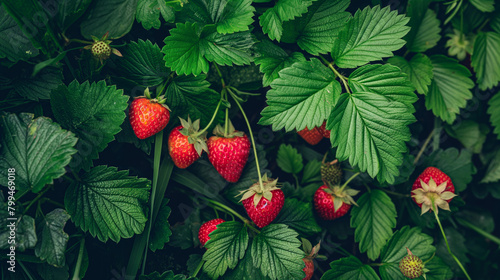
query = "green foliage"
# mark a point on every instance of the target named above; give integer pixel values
(284, 10)
(113, 16)
(108, 203)
(456, 164)
(471, 134)
(374, 220)
(493, 105)
(38, 149)
(299, 216)
(289, 160)
(39, 86)
(167, 275)
(303, 95)
(25, 229)
(94, 112)
(52, 238)
(418, 69)
(485, 59)
(350, 268)
(457, 241)
(69, 11)
(493, 171)
(424, 33)
(148, 13)
(19, 46)
(372, 34)
(160, 233)
(484, 5)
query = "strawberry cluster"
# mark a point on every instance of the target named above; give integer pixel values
(315, 135)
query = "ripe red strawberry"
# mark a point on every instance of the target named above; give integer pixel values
(184, 144)
(433, 186)
(263, 204)
(311, 253)
(228, 153)
(323, 203)
(309, 269)
(324, 132)
(206, 229)
(148, 116)
(312, 136)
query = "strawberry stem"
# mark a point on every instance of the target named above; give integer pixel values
(227, 209)
(446, 241)
(198, 268)
(211, 120)
(76, 274)
(251, 137)
(479, 230)
(340, 76)
(349, 180)
(426, 143)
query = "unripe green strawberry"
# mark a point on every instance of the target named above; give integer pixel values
(331, 173)
(101, 50)
(411, 266)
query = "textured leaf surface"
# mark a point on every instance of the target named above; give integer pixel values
(418, 69)
(449, 89)
(456, 241)
(39, 86)
(371, 35)
(226, 246)
(142, 63)
(38, 149)
(349, 268)
(303, 95)
(484, 5)
(108, 203)
(148, 13)
(420, 244)
(113, 16)
(299, 216)
(494, 112)
(276, 251)
(245, 270)
(424, 33)
(52, 238)
(493, 172)
(227, 49)
(160, 233)
(15, 45)
(379, 128)
(374, 220)
(70, 11)
(25, 228)
(289, 160)
(454, 163)
(471, 134)
(284, 10)
(94, 112)
(486, 58)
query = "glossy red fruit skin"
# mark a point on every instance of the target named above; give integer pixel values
(229, 155)
(206, 229)
(323, 203)
(309, 269)
(324, 132)
(438, 176)
(265, 211)
(147, 118)
(182, 153)
(312, 136)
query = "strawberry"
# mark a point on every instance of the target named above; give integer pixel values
(324, 132)
(312, 136)
(148, 116)
(333, 202)
(228, 152)
(412, 266)
(311, 253)
(208, 228)
(263, 203)
(184, 144)
(433, 189)
(309, 269)
(331, 173)
(101, 49)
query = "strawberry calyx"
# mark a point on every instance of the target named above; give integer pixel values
(432, 196)
(160, 99)
(231, 132)
(310, 251)
(191, 130)
(268, 185)
(341, 195)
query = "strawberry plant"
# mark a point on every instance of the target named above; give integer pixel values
(221, 139)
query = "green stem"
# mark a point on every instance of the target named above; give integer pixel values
(395, 193)
(25, 270)
(76, 274)
(35, 200)
(220, 75)
(226, 123)
(349, 180)
(198, 268)
(437, 134)
(454, 13)
(156, 168)
(53, 202)
(211, 120)
(483, 25)
(479, 230)
(446, 241)
(80, 41)
(426, 143)
(296, 180)
(251, 137)
(340, 76)
(226, 209)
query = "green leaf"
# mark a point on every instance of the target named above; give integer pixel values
(303, 95)
(69, 12)
(226, 246)
(311, 172)
(313, 32)
(38, 149)
(470, 133)
(380, 127)
(386, 80)
(227, 49)
(486, 58)
(374, 220)
(456, 241)
(495, 22)
(449, 89)
(108, 203)
(191, 96)
(245, 270)
(289, 160)
(493, 172)
(142, 63)
(438, 270)
(39, 86)
(484, 5)
(273, 59)
(370, 35)
(418, 69)
(52, 238)
(113, 16)
(94, 112)
(284, 10)
(25, 235)
(299, 216)
(185, 235)
(228, 15)
(424, 33)
(17, 46)
(349, 268)
(454, 164)
(276, 251)
(49, 272)
(160, 233)
(148, 13)
(167, 275)
(493, 105)
(420, 244)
